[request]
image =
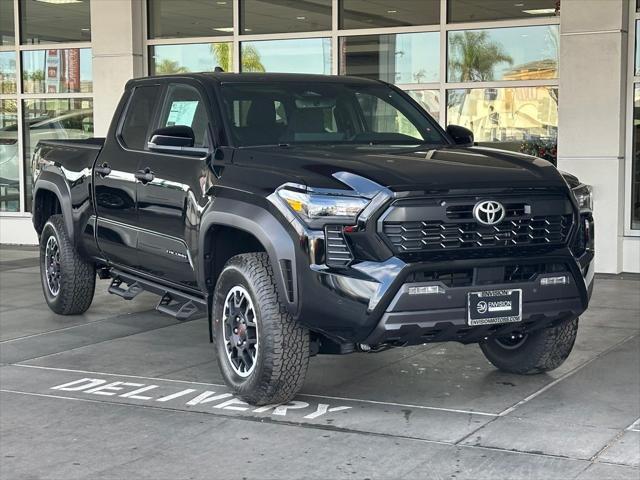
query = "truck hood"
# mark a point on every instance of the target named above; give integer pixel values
(403, 169)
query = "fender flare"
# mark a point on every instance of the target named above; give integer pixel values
(269, 231)
(53, 183)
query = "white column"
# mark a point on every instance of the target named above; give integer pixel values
(592, 105)
(117, 30)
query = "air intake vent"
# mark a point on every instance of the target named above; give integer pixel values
(337, 250)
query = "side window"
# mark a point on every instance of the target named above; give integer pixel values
(139, 116)
(184, 106)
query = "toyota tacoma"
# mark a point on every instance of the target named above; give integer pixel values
(313, 215)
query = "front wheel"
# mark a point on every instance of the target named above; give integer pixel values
(262, 352)
(536, 352)
(68, 280)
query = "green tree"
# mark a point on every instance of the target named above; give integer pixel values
(223, 53)
(167, 67)
(473, 57)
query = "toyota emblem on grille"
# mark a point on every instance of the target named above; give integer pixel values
(488, 212)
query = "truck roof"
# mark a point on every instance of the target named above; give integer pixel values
(250, 77)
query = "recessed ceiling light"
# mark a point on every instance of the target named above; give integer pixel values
(518, 4)
(221, 3)
(301, 18)
(59, 2)
(540, 11)
(225, 29)
(392, 11)
(247, 29)
(85, 29)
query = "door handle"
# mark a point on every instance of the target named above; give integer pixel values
(145, 176)
(103, 170)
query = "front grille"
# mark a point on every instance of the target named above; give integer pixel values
(337, 250)
(440, 235)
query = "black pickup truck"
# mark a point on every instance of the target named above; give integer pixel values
(314, 214)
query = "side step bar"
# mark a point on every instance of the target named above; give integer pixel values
(178, 304)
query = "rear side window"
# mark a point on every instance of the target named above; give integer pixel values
(139, 116)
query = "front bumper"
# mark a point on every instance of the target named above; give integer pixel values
(369, 301)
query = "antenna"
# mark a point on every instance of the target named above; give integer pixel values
(218, 69)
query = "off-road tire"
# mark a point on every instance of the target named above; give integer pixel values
(283, 353)
(77, 276)
(542, 350)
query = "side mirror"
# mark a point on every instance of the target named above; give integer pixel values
(460, 135)
(177, 139)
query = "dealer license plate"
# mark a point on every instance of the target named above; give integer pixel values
(494, 306)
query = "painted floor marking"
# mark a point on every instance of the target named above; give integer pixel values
(564, 376)
(343, 399)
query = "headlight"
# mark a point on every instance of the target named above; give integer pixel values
(583, 195)
(318, 209)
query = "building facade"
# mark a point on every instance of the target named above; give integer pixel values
(556, 79)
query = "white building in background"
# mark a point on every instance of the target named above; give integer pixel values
(558, 79)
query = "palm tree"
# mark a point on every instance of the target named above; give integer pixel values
(473, 57)
(223, 53)
(168, 66)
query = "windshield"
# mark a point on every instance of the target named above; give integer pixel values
(286, 113)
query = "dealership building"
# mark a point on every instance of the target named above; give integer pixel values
(555, 79)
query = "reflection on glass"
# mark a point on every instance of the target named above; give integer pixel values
(53, 119)
(195, 57)
(9, 174)
(57, 71)
(523, 119)
(388, 13)
(280, 16)
(402, 58)
(429, 100)
(309, 55)
(7, 32)
(635, 167)
(636, 47)
(519, 53)
(189, 18)
(54, 21)
(474, 11)
(7, 72)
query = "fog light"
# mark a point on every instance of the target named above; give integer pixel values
(427, 290)
(561, 280)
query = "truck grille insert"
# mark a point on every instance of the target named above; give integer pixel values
(337, 250)
(438, 235)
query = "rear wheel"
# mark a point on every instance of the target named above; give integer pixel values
(68, 281)
(536, 352)
(262, 352)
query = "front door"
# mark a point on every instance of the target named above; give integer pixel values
(115, 179)
(170, 204)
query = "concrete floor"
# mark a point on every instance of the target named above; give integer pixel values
(126, 392)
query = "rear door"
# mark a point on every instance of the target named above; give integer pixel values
(115, 181)
(170, 205)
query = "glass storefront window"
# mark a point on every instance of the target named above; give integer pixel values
(9, 173)
(281, 16)
(53, 119)
(523, 119)
(388, 13)
(7, 72)
(519, 53)
(7, 30)
(309, 55)
(194, 57)
(57, 71)
(54, 21)
(637, 66)
(403, 58)
(635, 166)
(475, 11)
(429, 100)
(179, 18)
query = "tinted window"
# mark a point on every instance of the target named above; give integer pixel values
(54, 22)
(192, 57)
(184, 106)
(388, 13)
(57, 71)
(139, 116)
(324, 113)
(7, 36)
(192, 18)
(7, 72)
(307, 55)
(473, 10)
(279, 16)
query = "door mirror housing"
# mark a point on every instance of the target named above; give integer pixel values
(177, 140)
(460, 135)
